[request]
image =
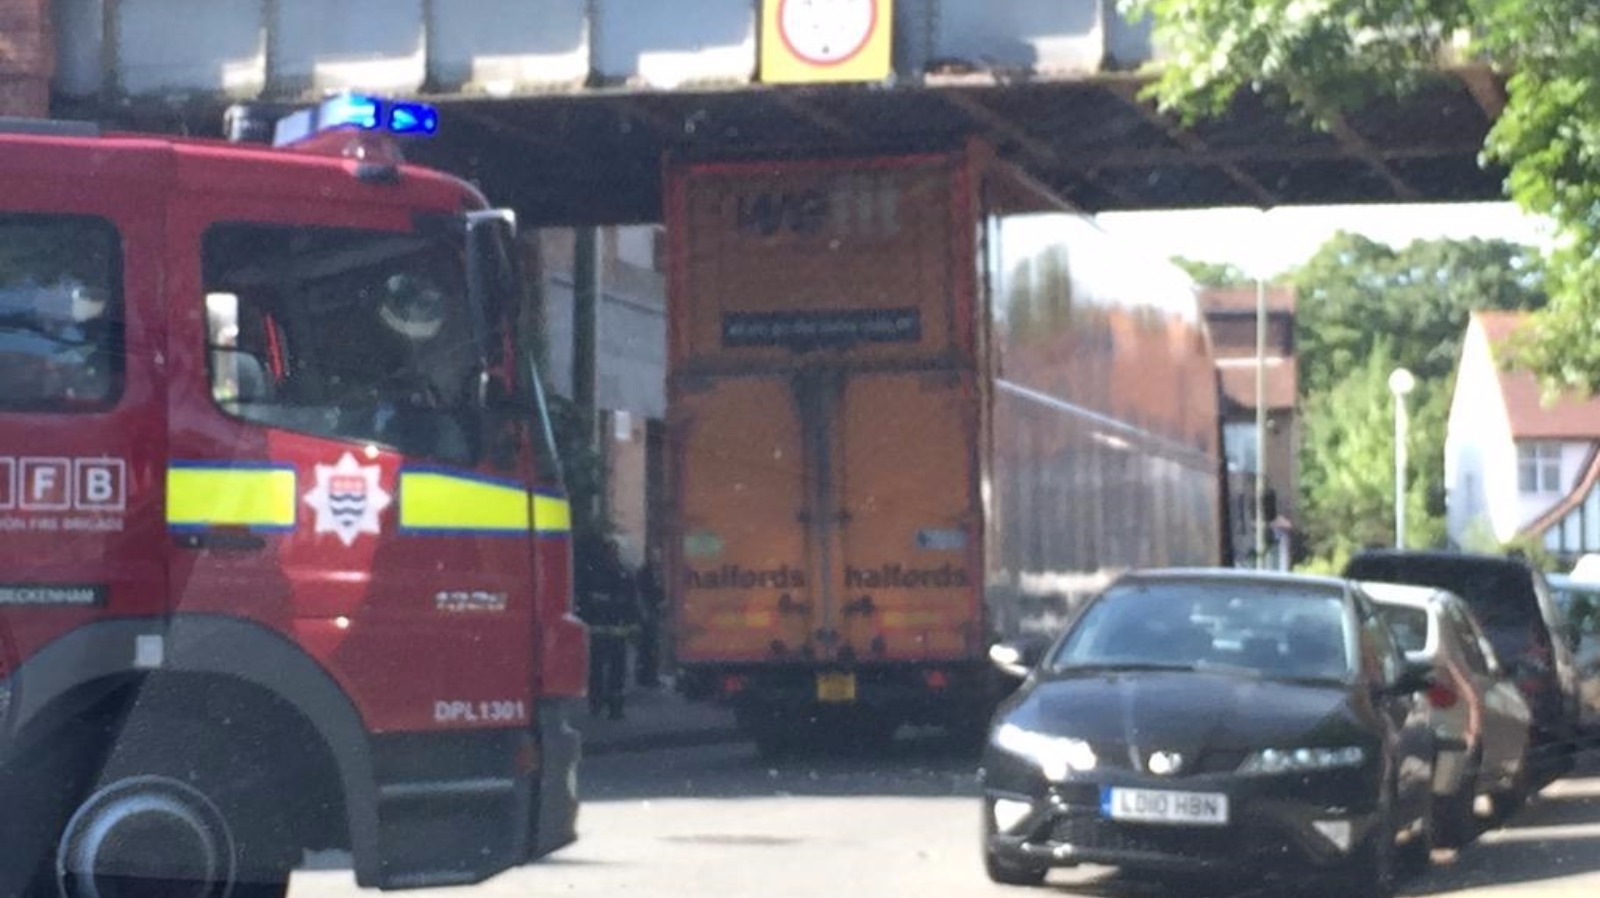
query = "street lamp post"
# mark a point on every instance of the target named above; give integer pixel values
(1401, 383)
(1261, 423)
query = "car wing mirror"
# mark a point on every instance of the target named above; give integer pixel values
(1018, 657)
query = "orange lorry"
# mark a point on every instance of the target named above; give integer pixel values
(916, 405)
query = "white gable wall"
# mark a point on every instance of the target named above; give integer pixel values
(1480, 457)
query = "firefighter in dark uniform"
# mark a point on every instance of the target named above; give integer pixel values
(652, 606)
(609, 604)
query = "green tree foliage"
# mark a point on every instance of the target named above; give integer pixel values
(1324, 56)
(1355, 291)
(1213, 274)
(1364, 309)
(1347, 463)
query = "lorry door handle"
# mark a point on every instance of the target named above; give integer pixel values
(220, 541)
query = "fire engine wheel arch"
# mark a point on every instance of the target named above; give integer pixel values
(68, 676)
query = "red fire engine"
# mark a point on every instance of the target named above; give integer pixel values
(284, 557)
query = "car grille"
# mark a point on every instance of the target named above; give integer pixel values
(1098, 834)
(1114, 756)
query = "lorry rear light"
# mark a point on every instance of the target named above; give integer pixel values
(732, 685)
(936, 679)
(1442, 697)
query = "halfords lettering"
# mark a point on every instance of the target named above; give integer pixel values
(897, 576)
(732, 576)
(85, 596)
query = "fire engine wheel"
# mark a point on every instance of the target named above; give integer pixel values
(149, 837)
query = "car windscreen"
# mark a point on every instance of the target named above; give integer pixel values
(1268, 629)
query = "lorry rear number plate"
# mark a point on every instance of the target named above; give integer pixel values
(836, 687)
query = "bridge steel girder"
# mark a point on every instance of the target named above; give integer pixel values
(566, 108)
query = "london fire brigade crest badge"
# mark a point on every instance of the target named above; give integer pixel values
(347, 499)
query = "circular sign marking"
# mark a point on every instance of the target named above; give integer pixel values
(827, 32)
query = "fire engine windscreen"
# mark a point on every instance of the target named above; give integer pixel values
(350, 334)
(60, 296)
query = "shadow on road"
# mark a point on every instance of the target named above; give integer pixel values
(915, 765)
(1555, 836)
(1114, 884)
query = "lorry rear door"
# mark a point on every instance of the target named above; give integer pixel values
(744, 572)
(908, 521)
(82, 421)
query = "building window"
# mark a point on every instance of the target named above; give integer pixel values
(1239, 446)
(1539, 467)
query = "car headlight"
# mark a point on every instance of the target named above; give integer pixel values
(1056, 756)
(1303, 760)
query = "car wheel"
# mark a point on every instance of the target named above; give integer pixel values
(1004, 870)
(1008, 873)
(1369, 872)
(1509, 801)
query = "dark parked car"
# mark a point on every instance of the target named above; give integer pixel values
(1193, 721)
(1515, 607)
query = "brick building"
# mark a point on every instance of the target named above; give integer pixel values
(1231, 316)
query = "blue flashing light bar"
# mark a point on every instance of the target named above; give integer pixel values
(413, 118)
(359, 112)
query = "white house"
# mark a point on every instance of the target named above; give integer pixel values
(1514, 465)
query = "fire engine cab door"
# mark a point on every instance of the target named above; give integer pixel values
(906, 584)
(745, 580)
(82, 421)
(372, 519)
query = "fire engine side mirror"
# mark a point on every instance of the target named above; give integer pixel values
(507, 217)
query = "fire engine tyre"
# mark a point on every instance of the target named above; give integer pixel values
(146, 836)
(205, 790)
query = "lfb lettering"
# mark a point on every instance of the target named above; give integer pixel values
(63, 484)
(99, 484)
(46, 484)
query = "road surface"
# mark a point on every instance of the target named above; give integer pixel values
(719, 822)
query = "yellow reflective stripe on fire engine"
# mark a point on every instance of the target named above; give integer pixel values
(238, 495)
(433, 501)
(551, 514)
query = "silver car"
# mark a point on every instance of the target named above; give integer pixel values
(1478, 715)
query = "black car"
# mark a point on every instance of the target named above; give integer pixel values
(1520, 616)
(1225, 721)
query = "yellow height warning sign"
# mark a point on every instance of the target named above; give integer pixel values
(820, 41)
